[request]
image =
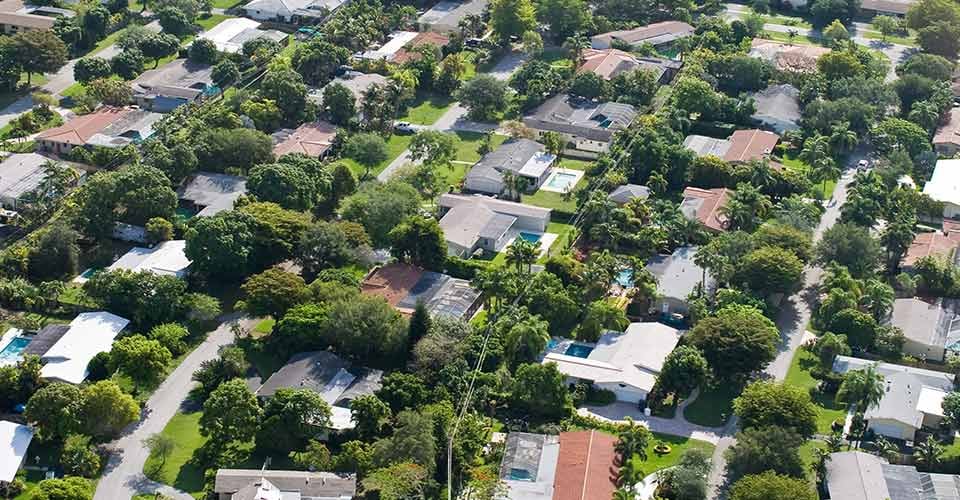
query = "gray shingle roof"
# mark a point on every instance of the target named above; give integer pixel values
(677, 274)
(500, 206)
(511, 155)
(935, 323)
(310, 485)
(315, 370)
(215, 192)
(588, 119)
(627, 192)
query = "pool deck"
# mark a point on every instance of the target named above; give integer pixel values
(561, 345)
(5, 340)
(546, 240)
(577, 174)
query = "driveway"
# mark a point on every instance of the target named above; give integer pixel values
(792, 322)
(454, 119)
(123, 476)
(676, 426)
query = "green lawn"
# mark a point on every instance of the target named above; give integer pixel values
(677, 444)
(806, 456)
(907, 40)
(211, 20)
(227, 4)
(470, 61)
(470, 142)
(786, 21)
(819, 189)
(782, 37)
(426, 108)
(264, 327)
(828, 409)
(178, 471)
(563, 232)
(713, 406)
(395, 146)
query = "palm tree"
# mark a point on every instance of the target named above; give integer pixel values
(679, 118)
(526, 339)
(632, 440)
(815, 148)
(760, 174)
(472, 26)
(522, 253)
(928, 453)
(823, 170)
(877, 298)
(887, 450)
(924, 113)
(842, 138)
(791, 34)
(575, 46)
(862, 388)
(746, 207)
(624, 494)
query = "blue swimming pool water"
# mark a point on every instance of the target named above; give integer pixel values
(625, 278)
(14, 349)
(561, 180)
(580, 351)
(553, 343)
(532, 238)
(520, 475)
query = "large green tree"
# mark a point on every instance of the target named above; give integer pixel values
(230, 414)
(771, 404)
(737, 341)
(511, 18)
(39, 51)
(143, 359)
(771, 486)
(419, 241)
(539, 390)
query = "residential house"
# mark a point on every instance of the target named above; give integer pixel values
(743, 146)
(230, 35)
(706, 206)
(911, 400)
(311, 139)
(90, 333)
(529, 466)
(523, 158)
(445, 16)
(403, 286)
(386, 52)
(946, 141)
(628, 192)
(172, 85)
(262, 484)
(626, 363)
(472, 223)
(306, 12)
(941, 244)
(14, 440)
(21, 173)
(931, 326)
(211, 193)
(357, 83)
(166, 258)
(587, 126)
(608, 63)
(578, 465)
(15, 16)
(426, 38)
(897, 8)
(678, 275)
(787, 57)
(944, 186)
(336, 380)
(778, 108)
(856, 475)
(659, 35)
(107, 127)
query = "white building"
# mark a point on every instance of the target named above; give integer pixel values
(166, 259)
(524, 158)
(445, 16)
(626, 363)
(944, 187)
(386, 52)
(90, 333)
(14, 441)
(231, 34)
(291, 11)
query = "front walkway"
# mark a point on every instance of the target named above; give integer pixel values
(676, 426)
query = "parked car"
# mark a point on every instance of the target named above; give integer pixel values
(863, 165)
(404, 128)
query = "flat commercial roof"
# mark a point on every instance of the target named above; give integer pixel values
(14, 440)
(90, 334)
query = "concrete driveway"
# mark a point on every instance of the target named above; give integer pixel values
(123, 476)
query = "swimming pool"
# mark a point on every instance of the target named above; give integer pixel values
(625, 278)
(12, 352)
(531, 237)
(562, 180)
(579, 350)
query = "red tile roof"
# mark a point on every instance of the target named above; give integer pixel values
(747, 145)
(937, 243)
(393, 282)
(586, 468)
(311, 139)
(80, 129)
(949, 133)
(426, 38)
(607, 63)
(708, 212)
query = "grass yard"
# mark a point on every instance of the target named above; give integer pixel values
(178, 471)
(806, 456)
(713, 406)
(227, 4)
(825, 191)
(557, 57)
(907, 40)
(677, 444)
(264, 328)
(470, 142)
(470, 63)
(426, 108)
(563, 231)
(828, 409)
(395, 146)
(208, 22)
(783, 37)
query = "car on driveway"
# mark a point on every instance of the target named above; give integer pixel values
(863, 165)
(404, 128)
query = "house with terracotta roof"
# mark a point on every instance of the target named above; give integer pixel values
(743, 146)
(947, 139)
(608, 63)
(572, 466)
(107, 127)
(657, 34)
(943, 244)
(706, 206)
(311, 139)
(426, 38)
(787, 57)
(403, 286)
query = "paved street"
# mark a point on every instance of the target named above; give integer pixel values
(123, 476)
(455, 118)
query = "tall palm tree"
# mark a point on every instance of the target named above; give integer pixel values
(746, 207)
(877, 298)
(632, 440)
(862, 388)
(928, 453)
(522, 253)
(815, 148)
(526, 339)
(575, 46)
(842, 138)
(791, 34)
(925, 113)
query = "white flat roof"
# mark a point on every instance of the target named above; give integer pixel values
(90, 333)
(945, 184)
(931, 401)
(14, 441)
(167, 258)
(397, 40)
(222, 34)
(537, 165)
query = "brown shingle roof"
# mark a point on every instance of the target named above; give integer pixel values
(426, 38)
(705, 205)
(937, 243)
(746, 145)
(586, 468)
(311, 139)
(607, 63)
(655, 33)
(393, 282)
(30, 21)
(80, 129)
(949, 133)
